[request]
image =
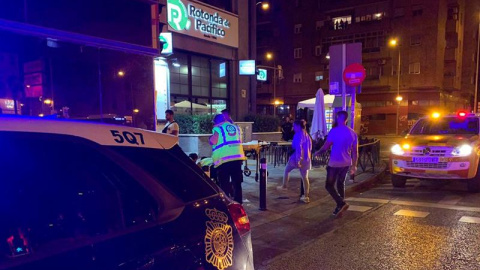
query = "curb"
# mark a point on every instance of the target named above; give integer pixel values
(366, 183)
(348, 191)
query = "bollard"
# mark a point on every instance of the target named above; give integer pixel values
(263, 184)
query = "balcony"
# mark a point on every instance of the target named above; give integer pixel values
(452, 40)
(449, 82)
(451, 26)
(450, 55)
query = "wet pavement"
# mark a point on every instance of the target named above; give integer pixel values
(423, 226)
(289, 224)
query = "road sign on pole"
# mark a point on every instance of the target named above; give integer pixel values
(262, 74)
(354, 75)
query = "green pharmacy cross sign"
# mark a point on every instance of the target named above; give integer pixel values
(261, 74)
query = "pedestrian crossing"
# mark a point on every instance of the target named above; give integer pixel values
(449, 202)
(410, 213)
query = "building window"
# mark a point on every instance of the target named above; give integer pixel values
(297, 53)
(297, 77)
(341, 22)
(297, 29)
(417, 11)
(389, 103)
(399, 12)
(199, 85)
(415, 40)
(453, 13)
(373, 73)
(318, 50)
(424, 102)
(319, 25)
(414, 68)
(319, 76)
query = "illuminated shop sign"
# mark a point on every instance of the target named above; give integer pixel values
(201, 21)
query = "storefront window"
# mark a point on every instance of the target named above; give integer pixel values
(60, 79)
(198, 84)
(179, 73)
(200, 76)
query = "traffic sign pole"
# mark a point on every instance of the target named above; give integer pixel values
(354, 75)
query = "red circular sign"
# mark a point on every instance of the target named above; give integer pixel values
(354, 74)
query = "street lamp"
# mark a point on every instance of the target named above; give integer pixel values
(395, 43)
(121, 73)
(265, 5)
(269, 56)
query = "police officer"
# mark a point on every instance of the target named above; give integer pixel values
(228, 156)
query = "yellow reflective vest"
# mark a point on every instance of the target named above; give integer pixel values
(229, 146)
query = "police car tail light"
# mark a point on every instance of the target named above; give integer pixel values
(240, 218)
(462, 151)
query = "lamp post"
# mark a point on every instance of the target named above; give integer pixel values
(475, 106)
(269, 57)
(394, 43)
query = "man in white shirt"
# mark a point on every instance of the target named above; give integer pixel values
(344, 155)
(171, 127)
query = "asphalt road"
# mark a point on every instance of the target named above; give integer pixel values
(422, 226)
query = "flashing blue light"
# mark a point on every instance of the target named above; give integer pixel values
(19, 249)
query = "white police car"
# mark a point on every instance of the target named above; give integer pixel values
(77, 195)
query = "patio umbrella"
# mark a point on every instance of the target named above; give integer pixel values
(187, 104)
(318, 128)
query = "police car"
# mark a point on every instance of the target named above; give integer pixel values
(439, 148)
(77, 195)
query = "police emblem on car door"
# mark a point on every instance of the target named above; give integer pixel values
(218, 240)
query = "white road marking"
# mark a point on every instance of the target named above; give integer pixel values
(451, 199)
(358, 208)
(468, 219)
(354, 199)
(410, 213)
(420, 204)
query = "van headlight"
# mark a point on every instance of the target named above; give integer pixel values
(397, 150)
(462, 151)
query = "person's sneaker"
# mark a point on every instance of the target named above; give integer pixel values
(340, 209)
(281, 188)
(305, 199)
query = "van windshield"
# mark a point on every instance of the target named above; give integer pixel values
(446, 125)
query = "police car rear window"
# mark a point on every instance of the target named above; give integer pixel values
(173, 169)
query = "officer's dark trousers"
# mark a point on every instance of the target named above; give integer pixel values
(230, 176)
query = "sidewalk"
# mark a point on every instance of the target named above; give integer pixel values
(276, 230)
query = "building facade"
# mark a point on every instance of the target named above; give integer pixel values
(209, 39)
(125, 61)
(79, 59)
(435, 43)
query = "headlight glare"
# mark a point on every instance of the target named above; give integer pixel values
(462, 151)
(397, 150)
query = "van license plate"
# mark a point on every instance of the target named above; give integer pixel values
(425, 159)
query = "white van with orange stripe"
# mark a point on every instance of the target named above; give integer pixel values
(439, 147)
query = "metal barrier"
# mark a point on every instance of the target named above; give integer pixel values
(278, 153)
